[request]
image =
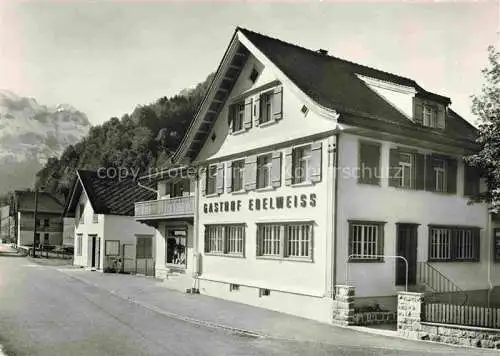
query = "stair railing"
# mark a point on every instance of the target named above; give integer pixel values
(437, 282)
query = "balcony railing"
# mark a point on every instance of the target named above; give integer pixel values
(165, 208)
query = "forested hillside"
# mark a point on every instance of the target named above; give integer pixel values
(141, 140)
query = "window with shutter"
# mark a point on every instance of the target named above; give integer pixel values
(315, 167)
(277, 104)
(237, 114)
(288, 166)
(211, 179)
(266, 111)
(264, 166)
(220, 178)
(301, 157)
(236, 172)
(247, 115)
(369, 163)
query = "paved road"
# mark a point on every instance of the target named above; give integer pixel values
(46, 312)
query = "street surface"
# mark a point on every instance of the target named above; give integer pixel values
(44, 311)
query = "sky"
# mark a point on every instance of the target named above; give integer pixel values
(106, 57)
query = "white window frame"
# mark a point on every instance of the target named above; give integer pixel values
(429, 116)
(403, 164)
(237, 175)
(238, 116)
(440, 175)
(304, 160)
(264, 171)
(366, 241)
(287, 240)
(211, 179)
(225, 239)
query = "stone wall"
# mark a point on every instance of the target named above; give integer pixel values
(374, 318)
(343, 305)
(411, 324)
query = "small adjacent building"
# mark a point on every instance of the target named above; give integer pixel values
(106, 236)
(46, 227)
(7, 224)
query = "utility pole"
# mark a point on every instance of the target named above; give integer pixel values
(34, 230)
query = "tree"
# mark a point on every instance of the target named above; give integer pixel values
(486, 106)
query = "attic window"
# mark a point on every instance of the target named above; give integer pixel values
(304, 109)
(429, 116)
(254, 75)
(213, 136)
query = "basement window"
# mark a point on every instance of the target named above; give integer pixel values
(234, 287)
(264, 292)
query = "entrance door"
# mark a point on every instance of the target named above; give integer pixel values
(406, 246)
(93, 251)
(98, 252)
(176, 247)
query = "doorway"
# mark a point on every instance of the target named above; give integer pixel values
(176, 247)
(93, 251)
(406, 246)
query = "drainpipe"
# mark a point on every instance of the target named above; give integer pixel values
(196, 231)
(489, 231)
(335, 212)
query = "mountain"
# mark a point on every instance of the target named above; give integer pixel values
(30, 134)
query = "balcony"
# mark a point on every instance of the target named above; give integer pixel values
(179, 207)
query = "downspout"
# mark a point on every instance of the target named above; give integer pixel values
(335, 214)
(196, 286)
(489, 231)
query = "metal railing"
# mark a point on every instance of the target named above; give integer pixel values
(172, 207)
(430, 277)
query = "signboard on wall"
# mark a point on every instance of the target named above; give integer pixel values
(265, 204)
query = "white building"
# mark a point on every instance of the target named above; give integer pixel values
(106, 234)
(308, 171)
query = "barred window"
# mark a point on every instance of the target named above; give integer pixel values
(225, 239)
(285, 240)
(453, 244)
(366, 241)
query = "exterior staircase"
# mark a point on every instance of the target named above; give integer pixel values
(180, 281)
(437, 286)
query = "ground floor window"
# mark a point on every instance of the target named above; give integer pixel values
(285, 240)
(225, 239)
(366, 241)
(176, 246)
(448, 244)
(112, 248)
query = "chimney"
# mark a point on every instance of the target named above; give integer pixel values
(322, 51)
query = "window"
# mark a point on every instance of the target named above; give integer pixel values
(448, 244)
(211, 179)
(301, 160)
(439, 166)
(237, 169)
(79, 239)
(429, 116)
(471, 181)
(406, 169)
(237, 112)
(46, 239)
(366, 241)
(369, 163)
(285, 240)
(38, 222)
(46, 222)
(264, 164)
(95, 218)
(225, 239)
(266, 107)
(112, 248)
(178, 188)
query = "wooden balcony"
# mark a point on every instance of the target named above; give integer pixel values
(179, 207)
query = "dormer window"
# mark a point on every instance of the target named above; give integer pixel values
(429, 116)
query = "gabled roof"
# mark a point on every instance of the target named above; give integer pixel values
(46, 202)
(111, 196)
(332, 83)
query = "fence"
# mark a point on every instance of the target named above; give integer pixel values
(144, 266)
(467, 315)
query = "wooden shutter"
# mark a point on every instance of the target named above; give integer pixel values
(251, 173)
(258, 242)
(451, 175)
(441, 117)
(276, 169)
(203, 181)
(430, 175)
(471, 180)
(256, 110)
(247, 118)
(219, 179)
(369, 162)
(288, 166)
(256, 118)
(417, 111)
(230, 116)
(315, 163)
(419, 171)
(229, 176)
(277, 103)
(394, 168)
(207, 245)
